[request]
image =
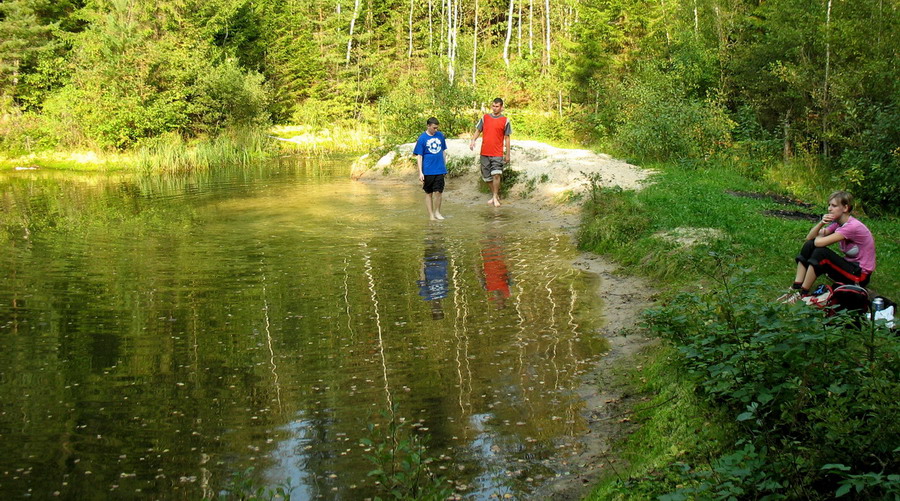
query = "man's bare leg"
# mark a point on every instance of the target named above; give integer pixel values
(495, 190)
(437, 205)
(428, 205)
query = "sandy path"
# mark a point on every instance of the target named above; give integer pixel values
(556, 171)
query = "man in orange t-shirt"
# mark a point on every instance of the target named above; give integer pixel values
(495, 130)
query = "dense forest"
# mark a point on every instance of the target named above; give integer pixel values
(814, 82)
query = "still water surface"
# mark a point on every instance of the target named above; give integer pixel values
(163, 334)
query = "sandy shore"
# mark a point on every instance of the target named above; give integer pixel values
(555, 172)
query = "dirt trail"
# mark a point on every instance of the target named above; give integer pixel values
(547, 174)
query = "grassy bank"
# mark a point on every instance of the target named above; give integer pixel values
(171, 152)
(748, 398)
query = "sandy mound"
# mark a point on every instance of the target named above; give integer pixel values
(545, 172)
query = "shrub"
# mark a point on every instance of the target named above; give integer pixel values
(662, 118)
(809, 393)
(872, 165)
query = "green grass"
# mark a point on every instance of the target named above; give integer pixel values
(628, 227)
(85, 161)
(677, 425)
(306, 140)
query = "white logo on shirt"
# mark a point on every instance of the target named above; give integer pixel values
(433, 145)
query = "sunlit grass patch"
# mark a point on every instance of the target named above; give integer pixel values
(311, 140)
(68, 160)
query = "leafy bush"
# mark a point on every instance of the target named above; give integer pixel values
(808, 393)
(872, 164)
(663, 117)
(402, 464)
(27, 133)
(401, 114)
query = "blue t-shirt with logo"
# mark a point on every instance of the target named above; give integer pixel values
(432, 150)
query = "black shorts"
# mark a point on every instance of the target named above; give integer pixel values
(433, 183)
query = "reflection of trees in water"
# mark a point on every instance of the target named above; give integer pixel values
(379, 332)
(310, 355)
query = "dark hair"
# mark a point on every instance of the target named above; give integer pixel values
(498, 100)
(432, 120)
(843, 198)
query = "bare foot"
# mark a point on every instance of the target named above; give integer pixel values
(438, 216)
(490, 202)
(495, 203)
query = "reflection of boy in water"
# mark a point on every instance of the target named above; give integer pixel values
(496, 276)
(432, 281)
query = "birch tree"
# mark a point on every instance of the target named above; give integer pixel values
(509, 28)
(547, 30)
(352, 26)
(410, 24)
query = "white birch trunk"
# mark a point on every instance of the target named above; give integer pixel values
(547, 7)
(509, 27)
(451, 47)
(409, 24)
(430, 28)
(696, 19)
(352, 26)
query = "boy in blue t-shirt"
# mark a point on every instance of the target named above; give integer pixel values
(431, 153)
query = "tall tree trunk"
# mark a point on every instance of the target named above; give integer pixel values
(430, 28)
(786, 125)
(531, 28)
(409, 24)
(475, 45)
(825, 107)
(696, 19)
(443, 22)
(352, 26)
(519, 23)
(509, 27)
(666, 22)
(547, 8)
(452, 19)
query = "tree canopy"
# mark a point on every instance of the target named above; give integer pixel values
(657, 78)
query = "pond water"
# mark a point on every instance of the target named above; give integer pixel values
(164, 334)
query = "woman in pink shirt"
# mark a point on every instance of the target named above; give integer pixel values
(815, 258)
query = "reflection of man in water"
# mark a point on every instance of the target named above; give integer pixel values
(496, 276)
(432, 281)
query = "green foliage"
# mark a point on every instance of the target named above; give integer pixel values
(244, 487)
(402, 464)
(401, 114)
(22, 36)
(806, 392)
(872, 165)
(236, 146)
(662, 121)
